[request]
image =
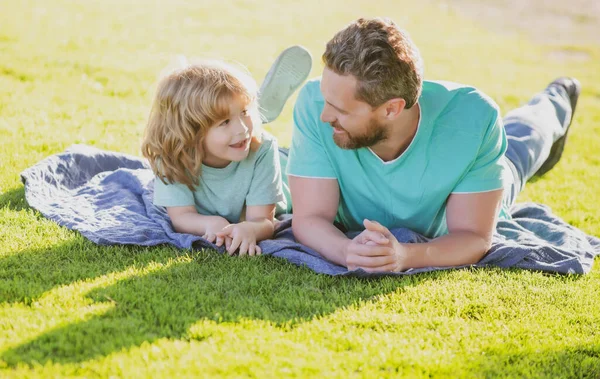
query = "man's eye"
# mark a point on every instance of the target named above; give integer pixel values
(224, 123)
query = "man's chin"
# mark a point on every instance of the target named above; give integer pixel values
(342, 141)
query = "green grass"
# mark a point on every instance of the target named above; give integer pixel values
(83, 72)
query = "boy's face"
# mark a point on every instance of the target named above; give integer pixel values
(355, 123)
(229, 140)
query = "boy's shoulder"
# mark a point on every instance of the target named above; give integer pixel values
(268, 143)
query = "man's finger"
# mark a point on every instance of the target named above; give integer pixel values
(370, 250)
(377, 227)
(370, 262)
(220, 239)
(377, 237)
(393, 267)
(210, 237)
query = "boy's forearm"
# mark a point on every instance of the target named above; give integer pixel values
(263, 228)
(194, 223)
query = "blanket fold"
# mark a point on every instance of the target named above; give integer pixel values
(107, 197)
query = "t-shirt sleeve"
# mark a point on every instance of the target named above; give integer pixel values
(172, 195)
(488, 171)
(266, 185)
(308, 156)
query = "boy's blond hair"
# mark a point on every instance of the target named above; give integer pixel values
(188, 102)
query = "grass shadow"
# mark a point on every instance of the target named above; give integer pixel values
(14, 199)
(25, 276)
(167, 302)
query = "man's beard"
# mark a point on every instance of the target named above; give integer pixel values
(375, 133)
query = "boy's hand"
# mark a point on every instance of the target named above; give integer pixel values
(215, 225)
(240, 236)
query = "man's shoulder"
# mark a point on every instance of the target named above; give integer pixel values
(447, 93)
(311, 91)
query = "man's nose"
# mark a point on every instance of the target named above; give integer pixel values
(326, 115)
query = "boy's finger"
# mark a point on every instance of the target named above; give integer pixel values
(258, 250)
(224, 232)
(234, 245)
(244, 247)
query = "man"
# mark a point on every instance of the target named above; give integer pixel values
(376, 148)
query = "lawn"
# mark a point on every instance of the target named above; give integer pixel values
(84, 72)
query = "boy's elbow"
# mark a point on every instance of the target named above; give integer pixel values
(177, 227)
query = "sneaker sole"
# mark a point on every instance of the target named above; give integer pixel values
(285, 76)
(559, 146)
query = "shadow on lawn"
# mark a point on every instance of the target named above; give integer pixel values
(166, 302)
(25, 276)
(14, 199)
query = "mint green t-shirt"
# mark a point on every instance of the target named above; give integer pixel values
(226, 191)
(459, 147)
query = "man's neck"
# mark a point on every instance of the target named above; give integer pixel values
(401, 134)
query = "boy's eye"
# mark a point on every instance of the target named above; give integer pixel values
(224, 123)
(245, 112)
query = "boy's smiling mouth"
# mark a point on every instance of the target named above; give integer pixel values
(240, 144)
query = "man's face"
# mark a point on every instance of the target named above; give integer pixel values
(354, 122)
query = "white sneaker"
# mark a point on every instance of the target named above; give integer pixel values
(288, 72)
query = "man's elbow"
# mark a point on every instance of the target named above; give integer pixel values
(484, 244)
(477, 244)
(303, 226)
(298, 226)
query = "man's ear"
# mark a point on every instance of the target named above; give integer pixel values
(393, 108)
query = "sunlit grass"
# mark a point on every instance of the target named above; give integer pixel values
(83, 72)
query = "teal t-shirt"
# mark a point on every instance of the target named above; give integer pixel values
(459, 147)
(226, 191)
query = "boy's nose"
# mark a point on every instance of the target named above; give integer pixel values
(241, 127)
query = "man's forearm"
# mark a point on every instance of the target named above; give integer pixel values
(454, 249)
(321, 235)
